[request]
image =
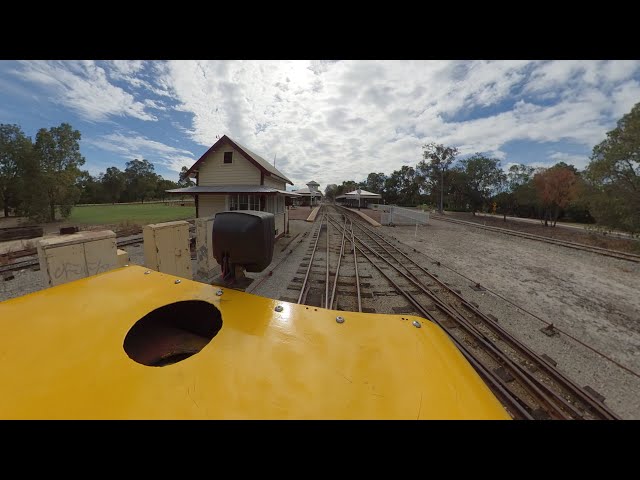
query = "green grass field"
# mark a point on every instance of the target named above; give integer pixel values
(141, 214)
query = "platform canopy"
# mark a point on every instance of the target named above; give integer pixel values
(363, 194)
(308, 193)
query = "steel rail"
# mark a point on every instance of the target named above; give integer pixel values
(631, 257)
(302, 295)
(518, 346)
(355, 263)
(537, 389)
(525, 378)
(335, 280)
(543, 321)
(326, 282)
(504, 393)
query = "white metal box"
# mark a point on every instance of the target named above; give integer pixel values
(206, 263)
(123, 258)
(166, 248)
(79, 255)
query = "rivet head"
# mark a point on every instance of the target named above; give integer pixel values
(177, 281)
(279, 308)
(340, 319)
(147, 272)
(219, 292)
(416, 324)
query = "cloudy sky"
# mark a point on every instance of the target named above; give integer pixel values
(323, 120)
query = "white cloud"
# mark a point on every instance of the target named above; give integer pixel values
(126, 67)
(624, 96)
(579, 161)
(83, 86)
(136, 146)
(128, 71)
(154, 104)
(553, 74)
(575, 121)
(619, 70)
(338, 120)
(568, 78)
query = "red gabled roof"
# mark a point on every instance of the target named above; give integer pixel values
(256, 160)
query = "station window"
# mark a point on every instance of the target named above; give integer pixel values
(271, 204)
(228, 157)
(244, 201)
(275, 204)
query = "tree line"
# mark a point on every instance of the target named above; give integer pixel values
(43, 179)
(607, 191)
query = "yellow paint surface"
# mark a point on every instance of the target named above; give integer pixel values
(62, 357)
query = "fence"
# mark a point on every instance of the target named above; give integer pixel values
(187, 201)
(392, 215)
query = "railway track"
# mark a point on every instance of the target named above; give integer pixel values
(529, 386)
(331, 276)
(31, 262)
(631, 257)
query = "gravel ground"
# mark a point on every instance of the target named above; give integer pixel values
(594, 298)
(579, 235)
(597, 297)
(24, 281)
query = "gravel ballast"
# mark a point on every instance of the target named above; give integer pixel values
(594, 298)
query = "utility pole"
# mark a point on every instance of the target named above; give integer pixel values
(441, 188)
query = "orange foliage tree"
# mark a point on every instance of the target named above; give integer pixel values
(555, 188)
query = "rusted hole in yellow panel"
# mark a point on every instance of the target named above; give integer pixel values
(173, 332)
